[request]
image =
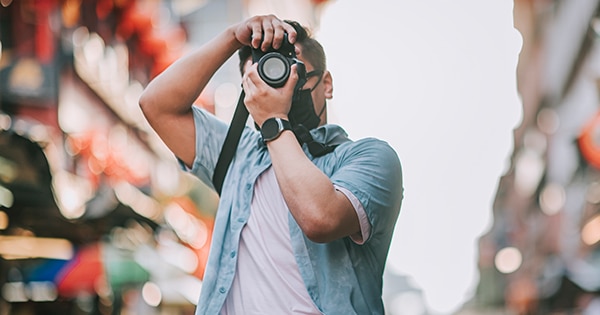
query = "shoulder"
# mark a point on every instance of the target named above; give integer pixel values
(372, 144)
(370, 169)
(367, 161)
(370, 163)
(370, 149)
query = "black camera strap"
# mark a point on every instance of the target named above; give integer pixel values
(315, 148)
(240, 116)
(234, 133)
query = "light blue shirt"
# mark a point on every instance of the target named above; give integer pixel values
(341, 277)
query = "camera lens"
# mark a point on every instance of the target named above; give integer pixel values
(274, 69)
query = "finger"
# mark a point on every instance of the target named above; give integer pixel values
(249, 92)
(245, 84)
(247, 64)
(252, 72)
(252, 78)
(278, 36)
(293, 78)
(291, 31)
(267, 41)
(257, 35)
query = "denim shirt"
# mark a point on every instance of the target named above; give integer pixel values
(341, 276)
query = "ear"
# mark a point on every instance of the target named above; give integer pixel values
(328, 84)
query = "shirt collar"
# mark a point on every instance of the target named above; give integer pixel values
(331, 135)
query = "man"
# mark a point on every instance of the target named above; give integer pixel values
(295, 232)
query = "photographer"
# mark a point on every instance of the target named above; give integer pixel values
(297, 230)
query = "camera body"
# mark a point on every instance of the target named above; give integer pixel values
(274, 64)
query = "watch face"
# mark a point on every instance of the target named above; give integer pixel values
(270, 129)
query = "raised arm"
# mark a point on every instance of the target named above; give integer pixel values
(167, 100)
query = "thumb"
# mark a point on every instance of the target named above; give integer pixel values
(293, 79)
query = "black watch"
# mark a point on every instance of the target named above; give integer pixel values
(273, 127)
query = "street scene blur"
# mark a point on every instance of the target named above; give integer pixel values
(97, 217)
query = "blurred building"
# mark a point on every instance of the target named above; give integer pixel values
(542, 254)
(95, 215)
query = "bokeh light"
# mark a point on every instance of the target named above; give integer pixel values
(552, 198)
(151, 294)
(548, 121)
(590, 234)
(508, 259)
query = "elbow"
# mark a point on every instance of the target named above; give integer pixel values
(318, 230)
(318, 237)
(320, 240)
(148, 106)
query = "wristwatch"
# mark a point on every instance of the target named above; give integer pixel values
(273, 127)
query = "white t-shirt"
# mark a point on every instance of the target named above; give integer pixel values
(267, 275)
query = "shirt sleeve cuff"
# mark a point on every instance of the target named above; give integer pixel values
(365, 226)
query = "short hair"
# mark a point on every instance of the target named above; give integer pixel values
(312, 51)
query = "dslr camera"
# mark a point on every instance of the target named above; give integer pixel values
(274, 64)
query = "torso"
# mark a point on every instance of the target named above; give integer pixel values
(267, 278)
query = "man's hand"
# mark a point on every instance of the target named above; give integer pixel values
(262, 100)
(263, 31)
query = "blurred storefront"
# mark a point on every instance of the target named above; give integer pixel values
(542, 254)
(95, 215)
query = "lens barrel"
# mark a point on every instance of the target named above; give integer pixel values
(274, 69)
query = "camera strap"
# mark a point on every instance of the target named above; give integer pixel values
(240, 116)
(234, 133)
(315, 148)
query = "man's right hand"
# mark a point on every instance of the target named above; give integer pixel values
(264, 31)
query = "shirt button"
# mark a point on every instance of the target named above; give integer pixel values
(222, 290)
(241, 220)
(248, 186)
(232, 254)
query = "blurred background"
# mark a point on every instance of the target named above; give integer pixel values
(492, 107)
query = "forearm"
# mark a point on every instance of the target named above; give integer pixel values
(323, 213)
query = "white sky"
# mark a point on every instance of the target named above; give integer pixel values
(437, 80)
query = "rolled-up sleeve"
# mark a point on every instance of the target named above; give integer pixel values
(371, 172)
(365, 226)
